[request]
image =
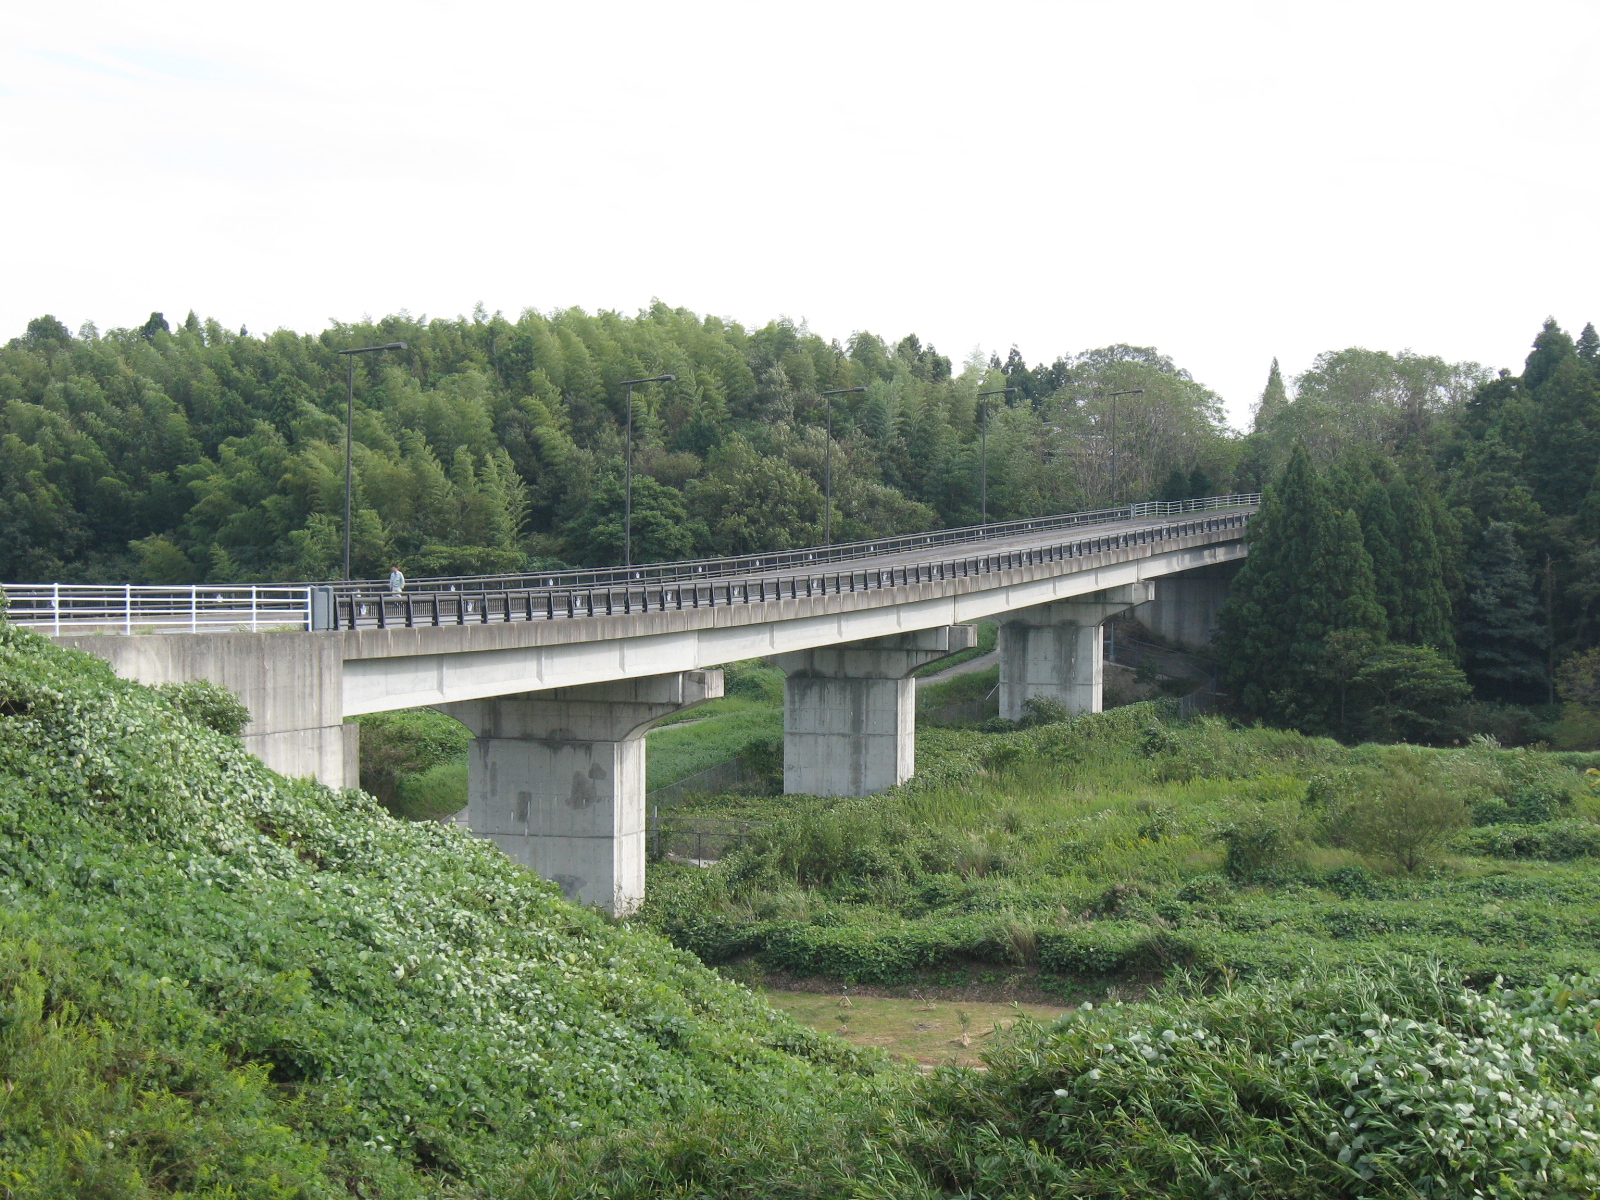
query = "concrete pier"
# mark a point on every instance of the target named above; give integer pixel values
(556, 778)
(1055, 650)
(1185, 606)
(850, 711)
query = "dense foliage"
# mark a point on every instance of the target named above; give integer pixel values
(215, 982)
(173, 455)
(1119, 845)
(1478, 513)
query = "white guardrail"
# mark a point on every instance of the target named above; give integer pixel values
(137, 608)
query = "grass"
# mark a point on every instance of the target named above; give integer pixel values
(927, 1032)
(1098, 851)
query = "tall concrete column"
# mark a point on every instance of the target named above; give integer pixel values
(850, 711)
(556, 778)
(1055, 650)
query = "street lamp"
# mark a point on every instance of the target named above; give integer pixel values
(827, 465)
(627, 484)
(983, 442)
(349, 421)
(1113, 398)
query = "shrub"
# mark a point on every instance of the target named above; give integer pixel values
(1557, 841)
(207, 703)
(1042, 710)
(1405, 820)
(1264, 843)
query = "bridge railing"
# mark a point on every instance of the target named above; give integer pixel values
(135, 608)
(799, 560)
(378, 609)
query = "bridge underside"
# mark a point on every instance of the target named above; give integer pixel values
(558, 708)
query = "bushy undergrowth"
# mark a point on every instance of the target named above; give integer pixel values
(1129, 843)
(216, 982)
(1393, 1083)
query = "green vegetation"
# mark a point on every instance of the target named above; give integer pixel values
(1107, 850)
(414, 762)
(216, 982)
(1472, 504)
(172, 455)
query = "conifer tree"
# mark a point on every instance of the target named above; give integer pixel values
(1381, 536)
(1589, 344)
(1502, 631)
(1274, 398)
(1423, 617)
(1308, 576)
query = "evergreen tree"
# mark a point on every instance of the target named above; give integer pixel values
(1200, 485)
(1274, 398)
(1503, 637)
(1308, 576)
(1589, 344)
(1177, 487)
(1423, 616)
(1381, 535)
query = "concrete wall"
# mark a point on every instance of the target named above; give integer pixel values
(1186, 604)
(292, 683)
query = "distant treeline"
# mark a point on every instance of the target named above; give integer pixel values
(200, 453)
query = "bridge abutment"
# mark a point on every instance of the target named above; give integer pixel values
(850, 711)
(1055, 650)
(556, 778)
(292, 684)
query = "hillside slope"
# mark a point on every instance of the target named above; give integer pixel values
(214, 981)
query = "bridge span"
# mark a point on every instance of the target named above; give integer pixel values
(559, 675)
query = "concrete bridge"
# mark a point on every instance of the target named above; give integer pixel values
(559, 675)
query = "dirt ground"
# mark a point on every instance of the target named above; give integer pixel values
(926, 1031)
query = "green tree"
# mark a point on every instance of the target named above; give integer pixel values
(661, 528)
(1406, 693)
(1308, 575)
(1274, 398)
(1503, 636)
(749, 502)
(1423, 616)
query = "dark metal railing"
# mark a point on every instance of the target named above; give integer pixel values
(814, 556)
(380, 609)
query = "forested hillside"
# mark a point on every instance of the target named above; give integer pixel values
(174, 455)
(1427, 529)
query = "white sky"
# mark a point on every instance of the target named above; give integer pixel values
(1226, 181)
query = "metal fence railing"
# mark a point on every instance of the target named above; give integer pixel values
(382, 610)
(135, 608)
(699, 841)
(808, 558)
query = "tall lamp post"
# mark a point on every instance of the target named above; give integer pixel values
(627, 478)
(1112, 396)
(827, 464)
(349, 422)
(983, 454)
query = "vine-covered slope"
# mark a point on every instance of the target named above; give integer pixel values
(217, 981)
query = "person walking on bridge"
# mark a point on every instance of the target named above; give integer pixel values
(397, 580)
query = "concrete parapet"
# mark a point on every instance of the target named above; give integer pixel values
(292, 683)
(849, 711)
(556, 778)
(1054, 650)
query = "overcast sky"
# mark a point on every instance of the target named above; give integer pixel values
(1225, 181)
